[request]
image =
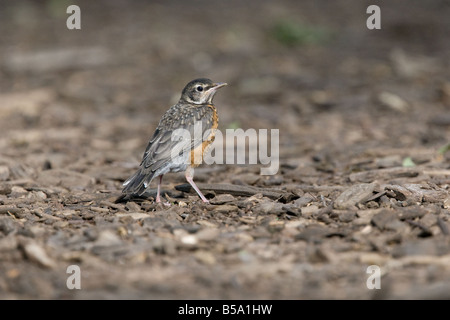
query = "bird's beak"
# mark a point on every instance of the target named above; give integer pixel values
(213, 89)
(219, 85)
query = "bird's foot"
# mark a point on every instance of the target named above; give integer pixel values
(162, 204)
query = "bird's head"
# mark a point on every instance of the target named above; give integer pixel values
(200, 91)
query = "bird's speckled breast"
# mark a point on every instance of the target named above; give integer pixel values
(206, 144)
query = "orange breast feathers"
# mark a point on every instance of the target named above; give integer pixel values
(198, 152)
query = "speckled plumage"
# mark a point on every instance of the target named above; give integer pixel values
(170, 149)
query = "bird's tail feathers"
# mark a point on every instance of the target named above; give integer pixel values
(137, 183)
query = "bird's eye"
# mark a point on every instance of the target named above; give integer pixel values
(200, 88)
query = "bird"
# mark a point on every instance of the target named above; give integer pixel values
(183, 135)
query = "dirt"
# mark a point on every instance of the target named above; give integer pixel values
(364, 133)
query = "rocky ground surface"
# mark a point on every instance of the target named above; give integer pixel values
(364, 132)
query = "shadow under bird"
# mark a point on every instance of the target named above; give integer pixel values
(169, 150)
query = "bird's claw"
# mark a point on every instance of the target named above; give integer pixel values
(163, 205)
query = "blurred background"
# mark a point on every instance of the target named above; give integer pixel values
(310, 68)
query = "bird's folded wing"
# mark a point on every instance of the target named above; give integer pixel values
(177, 134)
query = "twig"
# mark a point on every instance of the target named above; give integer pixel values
(437, 172)
(235, 190)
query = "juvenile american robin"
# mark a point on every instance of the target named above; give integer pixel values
(184, 132)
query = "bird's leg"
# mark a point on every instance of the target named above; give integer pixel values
(190, 179)
(158, 197)
(158, 193)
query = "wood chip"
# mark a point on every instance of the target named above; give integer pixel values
(36, 253)
(355, 194)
